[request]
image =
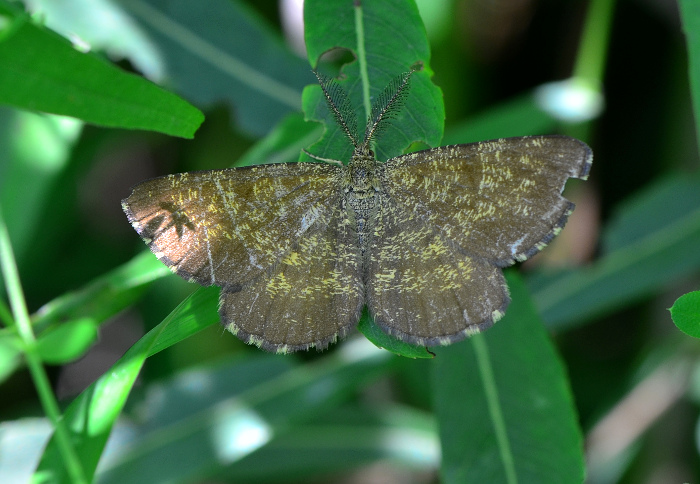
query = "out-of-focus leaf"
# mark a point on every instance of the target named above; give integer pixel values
(654, 239)
(91, 415)
(219, 51)
(518, 117)
(341, 440)
(106, 295)
(226, 412)
(67, 341)
(20, 444)
(104, 27)
(36, 149)
(284, 143)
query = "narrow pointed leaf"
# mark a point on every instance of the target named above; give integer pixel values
(504, 406)
(43, 72)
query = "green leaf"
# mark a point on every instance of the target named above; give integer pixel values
(382, 340)
(690, 18)
(92, 414)
(43, 72)
(504, 405)
(227, 411)
(651, 241)
(67, 341)
(197, 312)
(685, 313)
(345, 439)
(220, 51)
(387, 38)
(36, 149)
(328, 442)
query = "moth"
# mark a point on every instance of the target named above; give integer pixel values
(299, 249)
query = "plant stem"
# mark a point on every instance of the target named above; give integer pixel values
(592, 54)
(34, 363)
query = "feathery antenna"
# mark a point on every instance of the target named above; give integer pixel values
(387, 104)
(339, 104)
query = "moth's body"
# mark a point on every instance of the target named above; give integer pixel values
(299, 249)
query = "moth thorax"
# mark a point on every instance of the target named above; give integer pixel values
(363, 173)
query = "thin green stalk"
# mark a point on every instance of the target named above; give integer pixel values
(499, 425)
(36, 369)
(592, 54)
(362, 58)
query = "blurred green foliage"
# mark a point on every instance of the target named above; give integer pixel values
(586, 342)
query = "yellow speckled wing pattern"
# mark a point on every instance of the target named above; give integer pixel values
(499, 200)
(312, 296)
(421, 289)
(225, 227)
(452, 216)
(272, 236)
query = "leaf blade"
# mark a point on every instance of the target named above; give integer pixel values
(43, 72)
(686, 313)
(220, 51)
(520, 381)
